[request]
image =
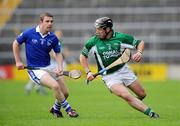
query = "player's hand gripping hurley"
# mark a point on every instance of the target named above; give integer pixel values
(75, 74)
(125, 57)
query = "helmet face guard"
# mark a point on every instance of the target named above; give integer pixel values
(103, 22)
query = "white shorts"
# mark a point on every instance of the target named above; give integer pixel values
(35, 75)
(122, 76)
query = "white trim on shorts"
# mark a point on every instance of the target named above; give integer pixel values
(35, 75)
(122, 76)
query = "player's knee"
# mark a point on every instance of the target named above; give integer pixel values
(142, 95)
(56, 87)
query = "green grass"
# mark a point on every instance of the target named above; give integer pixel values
(95, 104)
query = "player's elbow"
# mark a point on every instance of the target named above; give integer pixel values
(82, 58)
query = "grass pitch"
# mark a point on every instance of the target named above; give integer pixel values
(94, 103)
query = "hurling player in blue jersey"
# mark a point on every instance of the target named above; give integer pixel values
(39, 41)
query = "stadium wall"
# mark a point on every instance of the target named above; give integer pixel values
(156, 72)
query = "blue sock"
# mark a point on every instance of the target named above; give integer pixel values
(65, 105)
(57, 105)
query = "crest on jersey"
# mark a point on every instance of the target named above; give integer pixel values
(49, 42)
(34, 41)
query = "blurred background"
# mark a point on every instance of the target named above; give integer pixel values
(157, 22)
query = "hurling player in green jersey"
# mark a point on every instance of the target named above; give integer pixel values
(106, 46)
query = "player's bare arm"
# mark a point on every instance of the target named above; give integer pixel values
(84, 63)
(138, 55)
(59, 59)
(16, 50)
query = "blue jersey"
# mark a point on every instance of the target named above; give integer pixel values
(38, 46)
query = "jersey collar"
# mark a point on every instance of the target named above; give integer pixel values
(114, 33)
(38, 30)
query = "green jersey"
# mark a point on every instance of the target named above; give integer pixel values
(106, 51)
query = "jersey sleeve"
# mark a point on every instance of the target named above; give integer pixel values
(22, 37)
(56, 45)
(128, 39)
(87, 47)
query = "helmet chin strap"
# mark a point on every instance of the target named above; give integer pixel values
(106, 32)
